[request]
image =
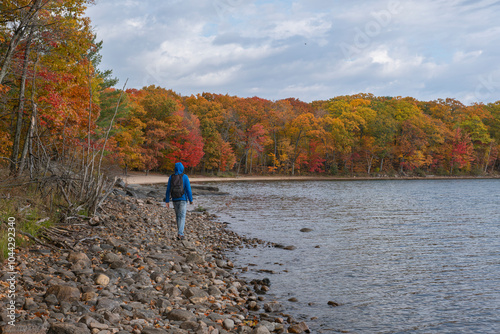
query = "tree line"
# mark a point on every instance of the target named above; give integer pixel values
(358, 134)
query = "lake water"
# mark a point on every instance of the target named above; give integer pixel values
(402, 256)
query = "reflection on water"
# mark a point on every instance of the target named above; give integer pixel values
(399, 256)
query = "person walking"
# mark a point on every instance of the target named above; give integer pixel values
(179, 190)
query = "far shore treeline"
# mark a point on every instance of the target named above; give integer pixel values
(347, 135)
(55, 102)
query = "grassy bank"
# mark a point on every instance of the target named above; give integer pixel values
(27, 210)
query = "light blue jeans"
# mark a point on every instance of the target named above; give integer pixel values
(180, 208)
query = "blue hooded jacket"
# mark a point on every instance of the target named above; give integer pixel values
(188, 195)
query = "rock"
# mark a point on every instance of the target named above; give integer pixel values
(98, 325)
(180, 315)
(189, 325)
(79, 259)
(87, 320)
(51, 299)
(112, 317)
(290, 247)
(64, 293)
(299, 328)
(305, 229)
(260, 330)
(30, 305)
(252, 305)
(111, 257)
(269, 325)
(107, 303)
(154, 331)
(196, 295)
(333, 304)
(195, 258)
(273, 307)
(228, 324)
(214, 291)
(101, 279)
(67, 328)
(173, 291)
(30, 326)
(202, 328)
(293, 300)
(87, 296)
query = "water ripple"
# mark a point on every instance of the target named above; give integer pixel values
(399, 256)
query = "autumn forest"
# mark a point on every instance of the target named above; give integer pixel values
(56, 103)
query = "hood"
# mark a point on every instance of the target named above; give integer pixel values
(179, 168)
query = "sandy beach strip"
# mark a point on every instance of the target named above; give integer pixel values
(156, 178)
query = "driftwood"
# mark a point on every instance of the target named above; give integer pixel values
(63, 236)
(88, 238)
(78, 217)
(38, 241)
(42, 221)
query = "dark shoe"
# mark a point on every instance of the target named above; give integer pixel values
(181, 237)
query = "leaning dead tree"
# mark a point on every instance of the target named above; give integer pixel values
(50, 140)
(77, 176)
(67, 173)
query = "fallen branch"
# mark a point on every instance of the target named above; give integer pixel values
(78, 217)
(26, 207)
(88, 238)
(42, 221)
(38, 241)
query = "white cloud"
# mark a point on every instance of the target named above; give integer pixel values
(381, 57)
(461, 56)
(426, 49)
(136, 22)
(313, 28)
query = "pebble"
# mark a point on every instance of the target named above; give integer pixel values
(127, 273)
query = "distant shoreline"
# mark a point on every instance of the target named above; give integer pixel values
(154, 178)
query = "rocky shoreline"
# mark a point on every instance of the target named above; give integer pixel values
(125, 272)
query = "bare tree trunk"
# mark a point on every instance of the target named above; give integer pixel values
(246, 161)
(111, 123)
(86, 157)
(488, 158)
(63, 149)
(275, 151)
(369, 161)
(24, 22)
(90, 115)
(296, 153)
(239, 165)
(20, 110)
(27, 142)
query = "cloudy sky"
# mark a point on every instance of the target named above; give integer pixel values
(307, 49)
